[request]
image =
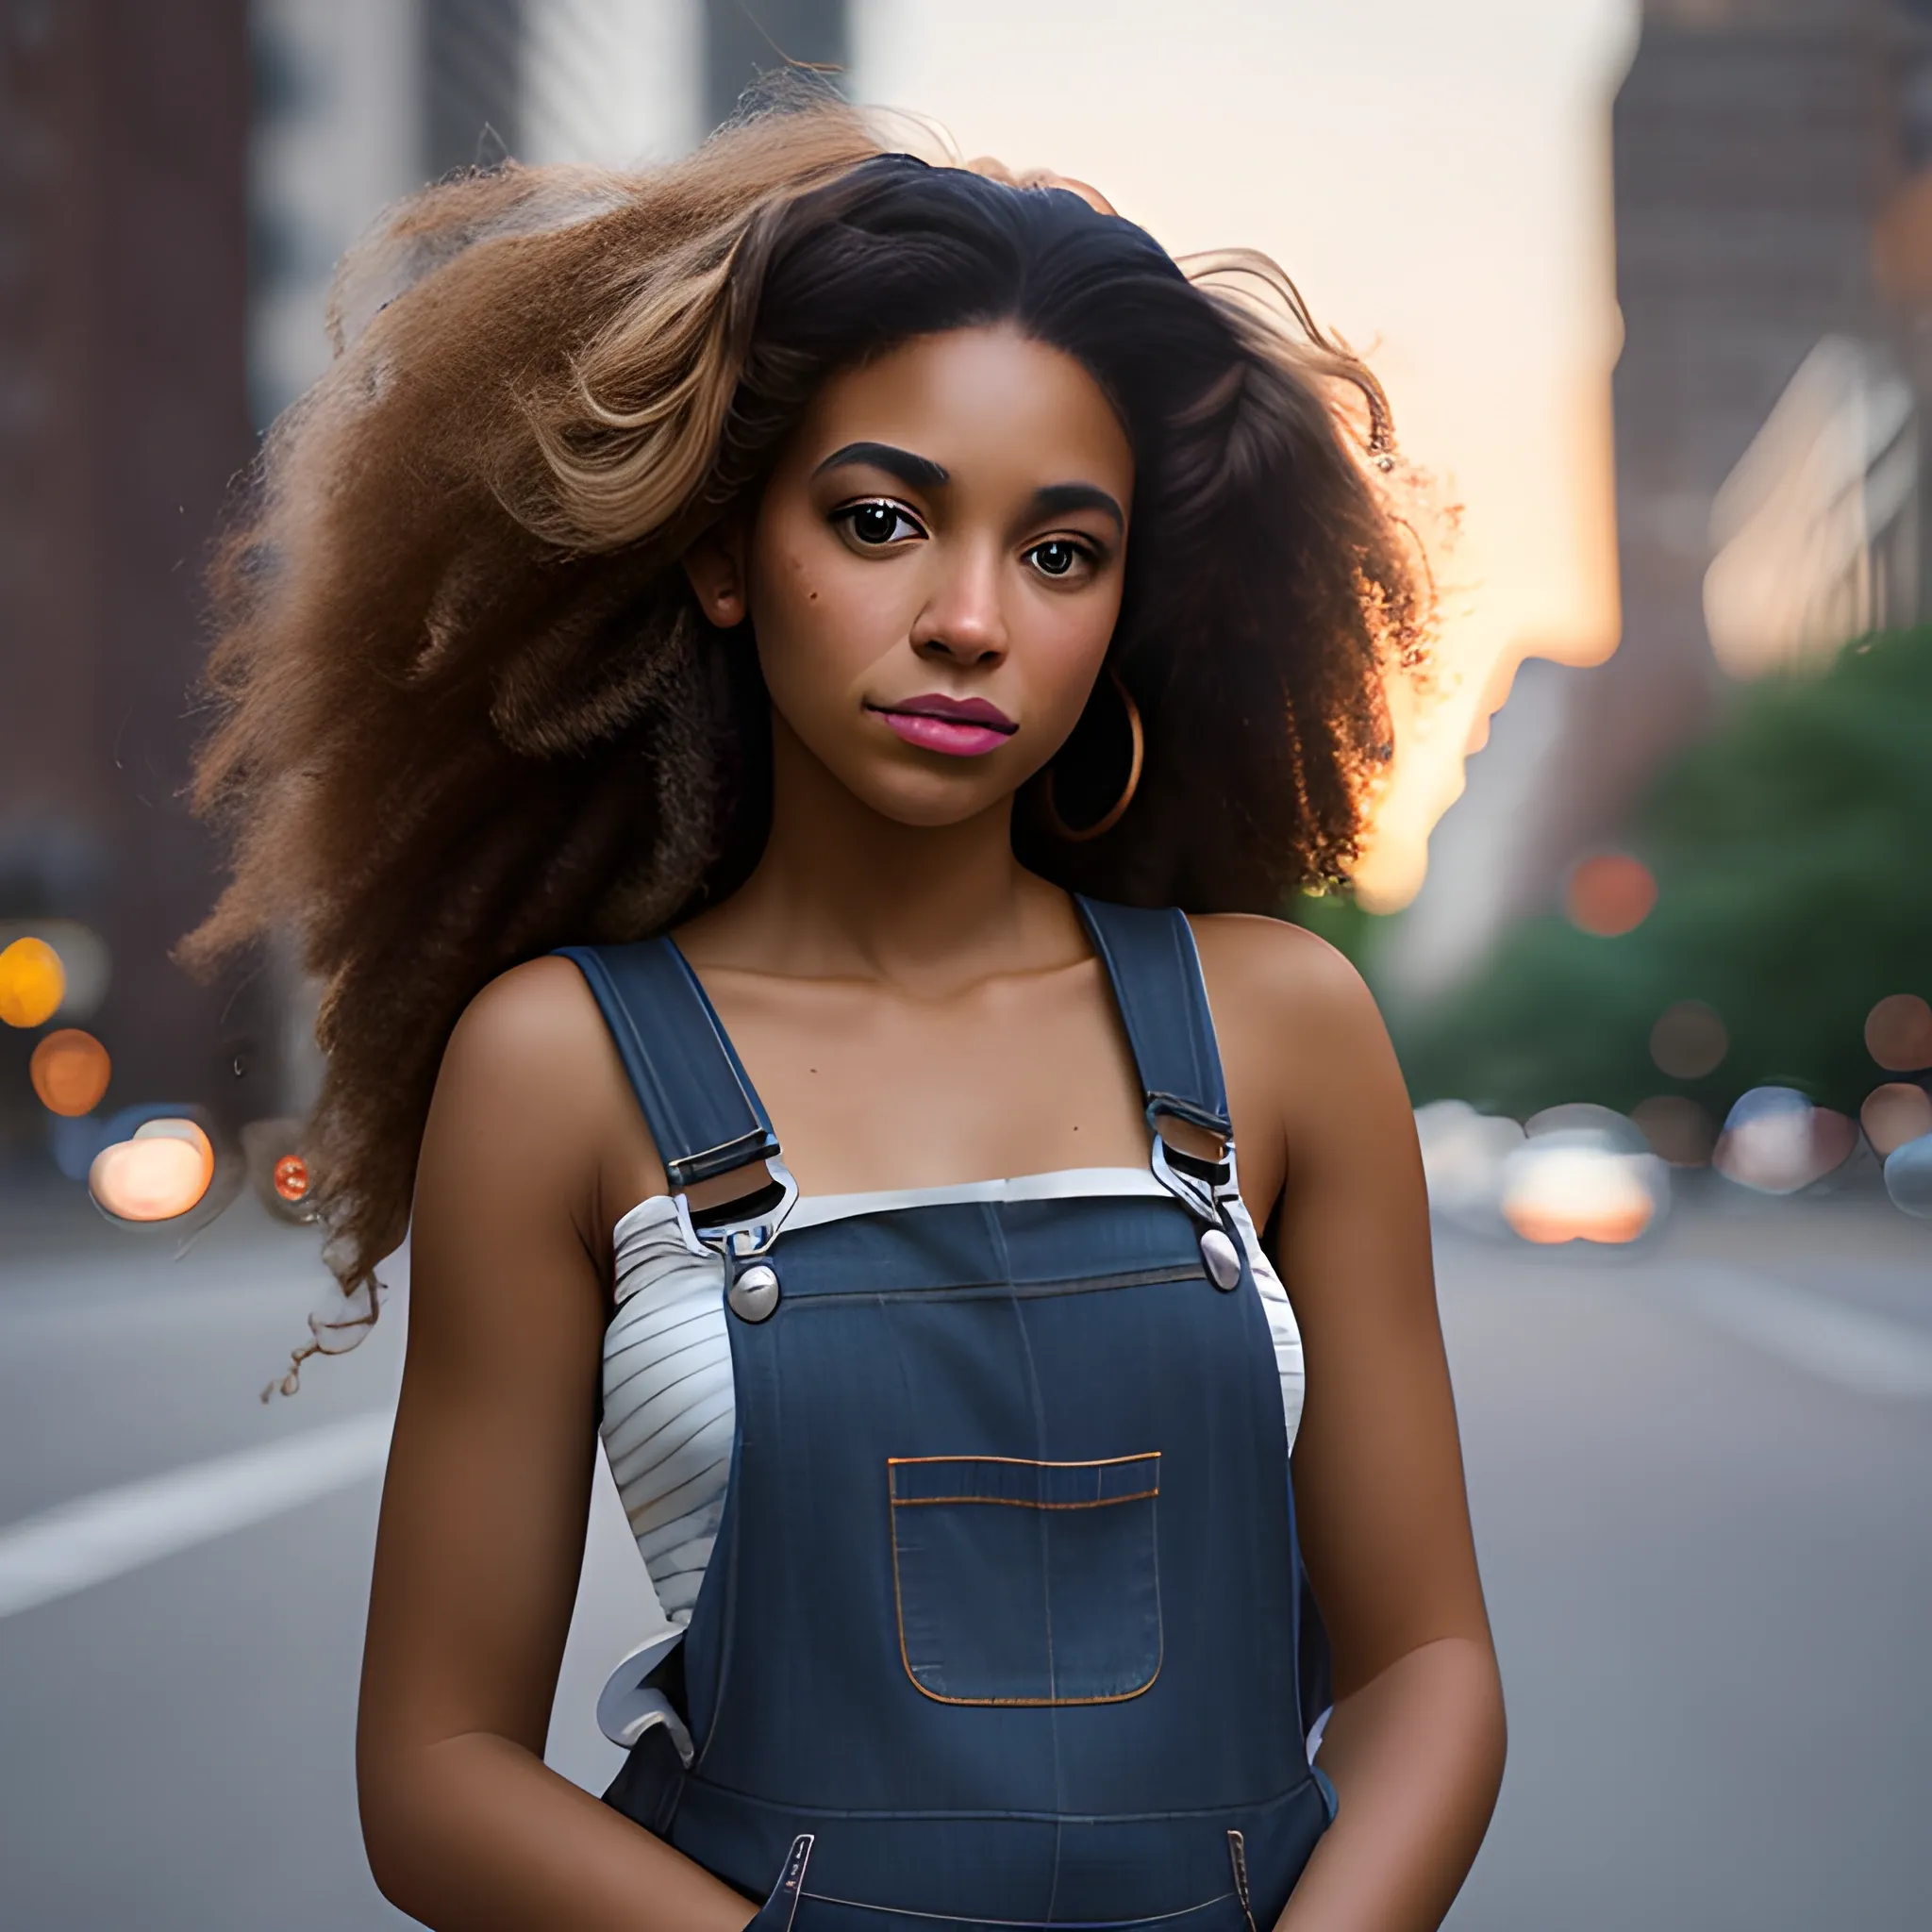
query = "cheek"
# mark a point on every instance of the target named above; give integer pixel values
(818, 614)
(1069, 641)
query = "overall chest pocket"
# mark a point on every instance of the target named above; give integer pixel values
(1025, 1582)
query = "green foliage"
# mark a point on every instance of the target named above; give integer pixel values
(1794, 891)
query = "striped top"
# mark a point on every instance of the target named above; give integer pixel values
(667, 1401)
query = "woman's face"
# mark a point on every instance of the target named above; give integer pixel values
(934, 570)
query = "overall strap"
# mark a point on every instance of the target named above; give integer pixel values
(703, 1113)
(1156, 972)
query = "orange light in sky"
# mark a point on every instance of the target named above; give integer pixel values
(32, 983)
(70, 1070)
(1609, 894)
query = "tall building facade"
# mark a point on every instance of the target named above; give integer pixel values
(123, 415)
(1772, 168)
(1757, 145)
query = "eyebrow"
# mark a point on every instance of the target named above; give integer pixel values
(921, 473)
(1058, 497)
(915, 472)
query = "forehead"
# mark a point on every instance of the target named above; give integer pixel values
(987, 404)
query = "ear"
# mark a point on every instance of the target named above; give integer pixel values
(715, 567)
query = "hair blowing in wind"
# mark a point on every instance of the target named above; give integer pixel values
(467, 709)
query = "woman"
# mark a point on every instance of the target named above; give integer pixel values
(884, 581)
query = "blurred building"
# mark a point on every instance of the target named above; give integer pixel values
(124, 412)
(360, 101)
(1758, 146)
(175, 185)
(1774, 242)
(1816, 531)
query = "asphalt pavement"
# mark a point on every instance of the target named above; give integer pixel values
(1698, 1471)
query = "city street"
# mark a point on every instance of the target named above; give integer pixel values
(1699, 1479)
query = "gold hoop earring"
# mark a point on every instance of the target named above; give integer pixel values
(1135, 757)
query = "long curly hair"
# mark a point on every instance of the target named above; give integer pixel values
(467, 709)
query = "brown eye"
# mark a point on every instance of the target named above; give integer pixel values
(877, 523)
(1054, 559)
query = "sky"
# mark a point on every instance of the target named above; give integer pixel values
(1436, 179)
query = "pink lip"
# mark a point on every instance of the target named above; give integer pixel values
(959, 727)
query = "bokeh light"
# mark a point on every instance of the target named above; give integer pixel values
(1580, 1186)
(87, 967)
(1463, 1152)
(1898, 1033)
(1689, 1041)
(70, 1070)
(1895, 1113)
(1775, 1142)
(1908, 1177)
(278, 1170)
(1679, 1131)
(32, 983)
(158, 1174)
(1602, 1127)
(1609, 894)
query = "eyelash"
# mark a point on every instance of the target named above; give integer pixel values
(847, 514)
(1085, 551)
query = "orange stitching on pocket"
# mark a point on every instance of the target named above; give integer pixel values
(1031, 1461)
(894, 1504)
(1018, 1503)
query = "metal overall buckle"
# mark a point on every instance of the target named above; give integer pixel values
(1203, 1188)
(740, 1241)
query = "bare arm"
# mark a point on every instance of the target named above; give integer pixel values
(1415, 1744)
(484, 1509)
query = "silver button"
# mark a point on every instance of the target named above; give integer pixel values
(1219, 1257)
(755, 1293)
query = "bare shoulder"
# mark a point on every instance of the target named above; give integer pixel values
(532, 1035)
(1304, 1050)
(1276, 985)
(531, 1081)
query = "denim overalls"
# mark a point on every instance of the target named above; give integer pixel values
(1002, 1623)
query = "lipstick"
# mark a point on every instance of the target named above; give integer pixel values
(957, 727)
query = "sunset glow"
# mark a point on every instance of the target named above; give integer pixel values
(1448, 214)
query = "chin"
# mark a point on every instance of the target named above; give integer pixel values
(930, 806)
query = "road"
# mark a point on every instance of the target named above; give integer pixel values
(1698, 1473)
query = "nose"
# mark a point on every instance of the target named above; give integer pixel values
(964, 620)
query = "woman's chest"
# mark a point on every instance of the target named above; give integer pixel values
(868, 1091)
(1029, 1073)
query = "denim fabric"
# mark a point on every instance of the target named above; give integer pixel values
(1004, 1608)
(1021, 1582)
(1004, 1602)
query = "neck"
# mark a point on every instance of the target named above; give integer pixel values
(843, 891)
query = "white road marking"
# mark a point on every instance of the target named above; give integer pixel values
(86, 1542)
(1867, 1353)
